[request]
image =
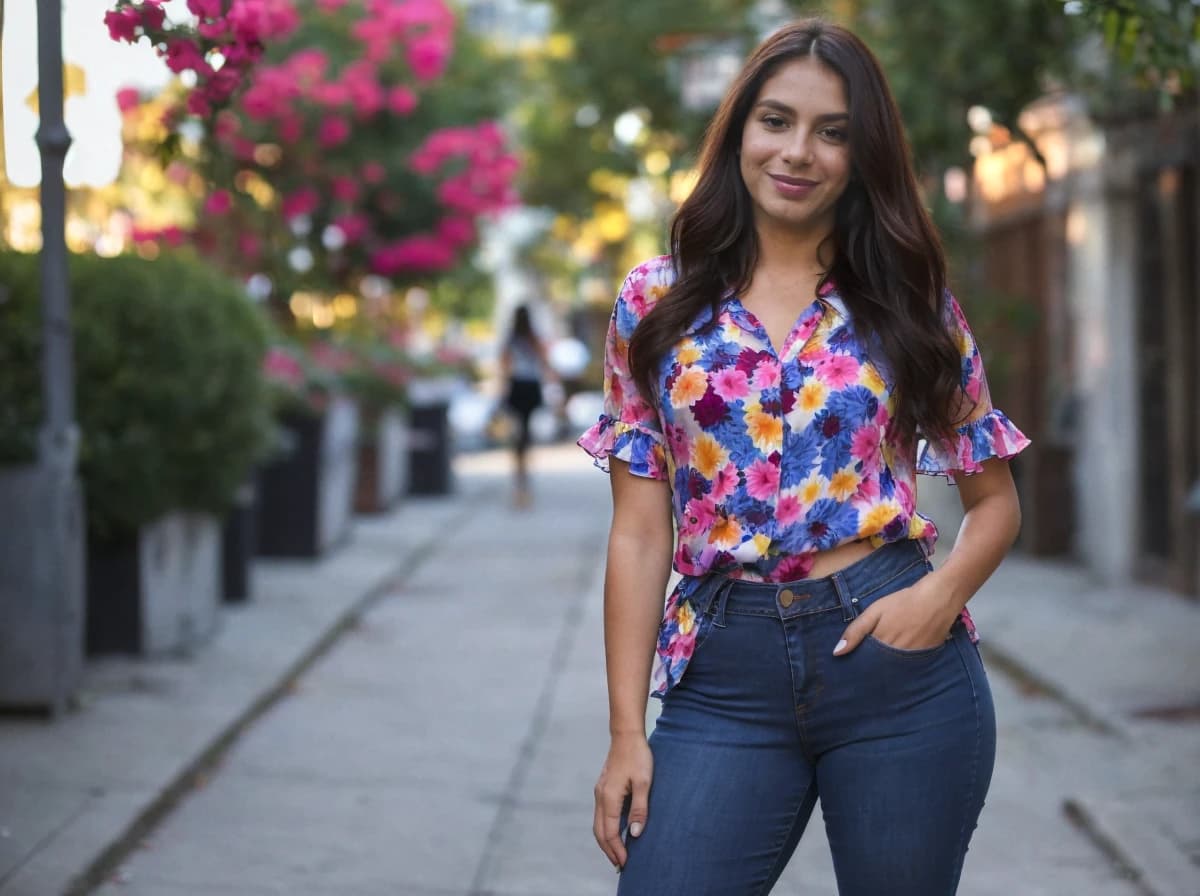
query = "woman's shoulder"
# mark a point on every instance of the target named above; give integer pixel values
(646, 284)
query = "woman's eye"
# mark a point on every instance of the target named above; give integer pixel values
(834, 134)
(773, 121)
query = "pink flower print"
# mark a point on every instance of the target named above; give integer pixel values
(731, 383)
(788, 510)
(762, 480)
(699, 516)
(725, 483)
(864, 447)
(766, 375)
(868, 490)
(839, 371)
(794, 567)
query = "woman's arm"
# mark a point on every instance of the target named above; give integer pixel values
(919, 617)
(640, 544)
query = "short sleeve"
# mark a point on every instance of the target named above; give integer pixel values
(985, 432)
(629, 427)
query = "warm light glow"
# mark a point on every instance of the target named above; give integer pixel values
(302, 304)
(345, 306)
(682, 184)
(657, 162)
(955, 183)
(267, 154)
(1076, 226)
(323, 316)
(560, 46)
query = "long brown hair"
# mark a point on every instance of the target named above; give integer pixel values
(888, 262)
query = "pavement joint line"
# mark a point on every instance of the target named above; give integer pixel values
(1023, 675)
(1077, 812)
(110, 858)
(510, 798)
(45, 841)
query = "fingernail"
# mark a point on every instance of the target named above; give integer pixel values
(636, 829)
(840, 645)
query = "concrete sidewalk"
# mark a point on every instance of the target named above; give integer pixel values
(424, 713)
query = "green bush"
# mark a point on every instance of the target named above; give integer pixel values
(170, 400)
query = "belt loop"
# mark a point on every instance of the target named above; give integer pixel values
(849, 604)
(722, 597)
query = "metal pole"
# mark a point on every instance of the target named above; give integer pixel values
(58, 436)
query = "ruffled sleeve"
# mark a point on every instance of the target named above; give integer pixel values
(987, 432)
(629, 427)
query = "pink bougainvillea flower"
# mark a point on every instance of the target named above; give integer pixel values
(249, 245)
(183, 55)
(401, 100)
(205, 9)
(302, 202)
(328, 6)
(218, 202)
(353, 227)
(333, 131)
(128, 98)
(427, 57)
(198, 105)
(281, 366)
(458, 232)
(344, 189)
(374, 173)
(123, 24)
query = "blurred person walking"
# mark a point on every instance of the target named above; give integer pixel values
(768, 388)
(524, 368)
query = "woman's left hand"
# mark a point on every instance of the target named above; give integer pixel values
(915, 618)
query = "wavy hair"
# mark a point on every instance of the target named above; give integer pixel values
(887, 259)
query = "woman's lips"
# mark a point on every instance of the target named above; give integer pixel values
(793, 187)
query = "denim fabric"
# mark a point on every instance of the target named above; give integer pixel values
(898, 745)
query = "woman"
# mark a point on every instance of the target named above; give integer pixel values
(767, 386)
(523, 366)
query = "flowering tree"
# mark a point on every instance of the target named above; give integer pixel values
(325, 152)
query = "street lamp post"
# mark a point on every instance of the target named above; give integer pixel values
(41, 554)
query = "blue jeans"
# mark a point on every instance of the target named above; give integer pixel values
(899, 745)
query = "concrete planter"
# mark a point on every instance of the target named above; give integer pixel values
(383, 463)
(157, 590)
(306, 495)
(41, 588)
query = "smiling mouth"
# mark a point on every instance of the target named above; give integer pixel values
(793, 181)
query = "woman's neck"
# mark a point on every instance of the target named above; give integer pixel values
(792, 253)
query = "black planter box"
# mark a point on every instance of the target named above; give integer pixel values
(431, 450)
(305, 495)
(156, 590)
(238, 537)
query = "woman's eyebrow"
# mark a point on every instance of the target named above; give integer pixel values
(777, 106)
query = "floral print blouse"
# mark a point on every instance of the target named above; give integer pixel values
(773, 457)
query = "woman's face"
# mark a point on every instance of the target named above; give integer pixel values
(795, 157)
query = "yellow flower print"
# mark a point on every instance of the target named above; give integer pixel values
(812, 396)
(844, 483)
(762, 543)
(765, 431)
(689, 388)
(686, 618)
(654, 293)
(869, 376)
(726, 534)
(688, 353)
(878, 517)
(708, 456)
(810, 490)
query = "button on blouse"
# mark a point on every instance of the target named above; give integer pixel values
(772, 458)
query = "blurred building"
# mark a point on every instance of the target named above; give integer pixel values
(1101, 245)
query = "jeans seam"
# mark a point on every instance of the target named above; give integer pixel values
(964, 833)
(881, 585)
(779, 847)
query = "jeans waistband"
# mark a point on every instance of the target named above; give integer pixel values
(840, 590)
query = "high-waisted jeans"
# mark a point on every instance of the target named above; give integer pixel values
(897, 744)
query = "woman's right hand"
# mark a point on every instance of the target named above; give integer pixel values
(626, 774)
